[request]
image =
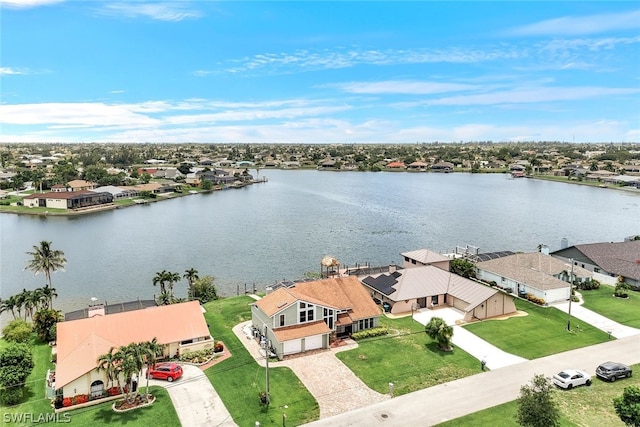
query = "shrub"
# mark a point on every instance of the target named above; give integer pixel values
(11, 395)
(218, 347)
(80, 398)
(370, 333)
(534, 299)
(589, 285)
(113, 391)
(17, 330)
(199, 356)
(66, 402)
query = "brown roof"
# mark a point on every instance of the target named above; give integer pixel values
(58, 194)
(425, 256)
(303, 330)
(80, 183)
(81, 342)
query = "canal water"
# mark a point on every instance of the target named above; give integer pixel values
(281, 229)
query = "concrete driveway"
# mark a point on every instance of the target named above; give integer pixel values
(469, 342)
(594, 319)
(195, 399)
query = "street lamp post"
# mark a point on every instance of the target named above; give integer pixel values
(570, 296)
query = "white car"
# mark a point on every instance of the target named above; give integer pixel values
(570, 378)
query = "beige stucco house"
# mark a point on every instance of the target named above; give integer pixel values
(179, 327)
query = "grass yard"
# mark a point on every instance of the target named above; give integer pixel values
(602, 301)
(582, 406)
(541, 333)
(239, 379)
(410, 360)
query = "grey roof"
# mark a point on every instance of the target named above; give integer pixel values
(428, 280)
(425, 256)
(620, 258)
(489, 255)
(534, 269)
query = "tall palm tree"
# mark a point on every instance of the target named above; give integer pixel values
(132, 362)
(46, 260)
(48, 294)
(152, 350)
(31, 300)
(107, 363)
(10, 305)
(160, 278)
(19, 300)
(191, 275)
(172, 278)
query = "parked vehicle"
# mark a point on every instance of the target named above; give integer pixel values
(611, 371)
(165, 371)
(570, 378)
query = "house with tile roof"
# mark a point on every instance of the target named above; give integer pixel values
(179, 328)
(70, 200)
(308, 315)
(534, 273)
(81, 184)
(431, 287)
(607, 260)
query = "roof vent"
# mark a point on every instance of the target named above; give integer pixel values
(282, 304)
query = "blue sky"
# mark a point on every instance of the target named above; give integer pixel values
(319, 72)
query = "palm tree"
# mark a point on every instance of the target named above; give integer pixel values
(191, 275)
(160, 278)
(438, 330)
(31, 300)
(107, 362)
(46, 260)
(172, 278)
(48, 294)
(10, 305)
(132, 362)
(164, 298)
(151, 352)
(19, 300)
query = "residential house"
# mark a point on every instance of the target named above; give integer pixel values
(396, 165)
(217, 176)
(308, 315)
(180, 328)
(606, 260)
(428, 286)
(81, 184)
(535, 273)
(445, 167)
(118, 193)
(423, 257)
(68, 199)
(418, 166)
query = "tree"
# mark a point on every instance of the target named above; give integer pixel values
(151, 350)
(536, 407)
(206, 184)
(16, 363)
(44, 322)
(108, 363)
(463, 267)
(191, 275)
(17, 330)
(627, 406)
(439, 331)
(46, 260)
(160, 278)
(204, 290)
(172, 278)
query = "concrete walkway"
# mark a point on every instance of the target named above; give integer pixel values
(594, 319)
(196, 401)
(469, 342)
(334, 386)
(471, 394)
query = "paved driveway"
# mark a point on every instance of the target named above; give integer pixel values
(469, 342)
(195, 399)
(334, 386)
(594, 319)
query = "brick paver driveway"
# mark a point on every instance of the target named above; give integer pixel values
(333, 385)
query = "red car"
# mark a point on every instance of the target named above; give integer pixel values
(165, 371)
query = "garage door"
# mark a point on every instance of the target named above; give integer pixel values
(293, 346)
(311, 343)
(460, 304)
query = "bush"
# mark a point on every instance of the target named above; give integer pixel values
(17, 330)
(218, 347)
(66, 402)
(589, 285)
(79, 399)
(113, 391)
(370, 333)
(11, 395)
(534, 299)
(200, 356)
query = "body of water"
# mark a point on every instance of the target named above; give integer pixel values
(281, 229)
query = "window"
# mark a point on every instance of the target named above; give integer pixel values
(434, 300)
(327, 316)
(596, 270)
(306, 311)
(281, 320)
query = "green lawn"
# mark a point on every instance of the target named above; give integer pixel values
(541, 333)
(583, 406)
(239, 379)
(410, 360)
(602, 301)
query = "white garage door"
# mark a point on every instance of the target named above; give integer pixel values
(293, 346)
(311, 343)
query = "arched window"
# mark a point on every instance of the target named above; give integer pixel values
(97, 388)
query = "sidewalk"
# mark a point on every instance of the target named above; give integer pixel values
(594, 319)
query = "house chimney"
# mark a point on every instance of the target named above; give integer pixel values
(95, 309)
(392, 268)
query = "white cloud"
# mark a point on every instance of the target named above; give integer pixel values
(23, 4)
(8, 71)
(168, 11)
(580, 25)
(402, 87)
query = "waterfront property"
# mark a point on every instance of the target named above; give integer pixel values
(68, 200)
(308, 315)
(606, 260)
(534, 273)
(180, 328)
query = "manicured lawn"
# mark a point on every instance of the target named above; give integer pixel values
(602, 301)
(582, 406)
(410, 360)
(541, 333)
(239, 379)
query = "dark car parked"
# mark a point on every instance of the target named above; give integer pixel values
(611, 371)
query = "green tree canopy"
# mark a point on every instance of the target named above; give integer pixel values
(463, 267)
(45, 259)
(438, 330)
(536, 406)
(16, 363)
(627, 406)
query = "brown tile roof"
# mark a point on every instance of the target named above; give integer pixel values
(303, 330)
(58, 194)
(276, 301)
(343, 319)
(80, 183)
(81, 342)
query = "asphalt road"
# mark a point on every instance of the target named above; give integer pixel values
(471, 394)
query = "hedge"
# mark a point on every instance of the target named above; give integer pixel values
(369, 333)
